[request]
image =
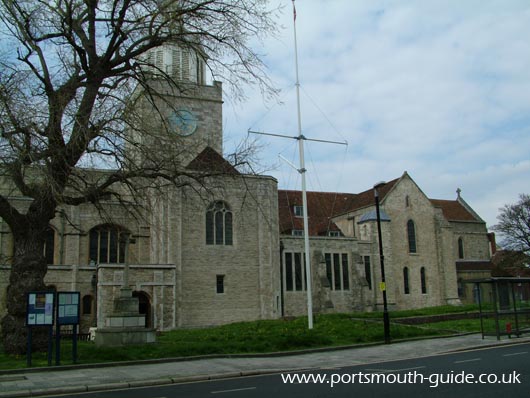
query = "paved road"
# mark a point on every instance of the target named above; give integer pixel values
(464, 374)
(89, 379)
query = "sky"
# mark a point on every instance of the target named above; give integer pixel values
(440, 89)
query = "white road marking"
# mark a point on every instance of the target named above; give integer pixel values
(469, 360)
(394, 370)
(235, 390)
(515, 353)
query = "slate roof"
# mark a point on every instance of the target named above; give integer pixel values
(372, 216)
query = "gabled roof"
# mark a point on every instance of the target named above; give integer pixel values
(210, 161)
(454, 210)
(324, 206)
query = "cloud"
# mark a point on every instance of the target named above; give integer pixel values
(440, 89)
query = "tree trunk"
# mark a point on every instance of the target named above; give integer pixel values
(27, 274)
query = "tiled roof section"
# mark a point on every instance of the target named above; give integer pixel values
(210, 161)
(453, 210)
(367, 198)
(463, 265)
(321, 207)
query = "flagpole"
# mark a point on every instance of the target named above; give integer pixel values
(303, 170)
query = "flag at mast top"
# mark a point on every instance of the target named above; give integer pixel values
(294, 11)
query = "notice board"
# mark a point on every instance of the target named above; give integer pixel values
(40, 309)
(68, 308)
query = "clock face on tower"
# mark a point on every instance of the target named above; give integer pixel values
(182, 122)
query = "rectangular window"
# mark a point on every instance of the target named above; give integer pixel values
(345, 273)
(334, 234)
(289, 272)
(368, 271)
(299, 211)
(220, 284)
(337, 271)
(295, 279)
(297, 232)
(298, 271)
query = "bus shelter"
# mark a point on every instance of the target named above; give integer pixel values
(504, 305)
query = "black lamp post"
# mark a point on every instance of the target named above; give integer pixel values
(386, 319)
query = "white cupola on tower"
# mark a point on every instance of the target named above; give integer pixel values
(182, 64)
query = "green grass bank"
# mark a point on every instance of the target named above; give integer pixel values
(330, 330)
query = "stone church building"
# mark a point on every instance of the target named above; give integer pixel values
(236, 253)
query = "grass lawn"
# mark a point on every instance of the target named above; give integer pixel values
(262, 337)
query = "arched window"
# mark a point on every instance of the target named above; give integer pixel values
(411, 233)
(49, 246)
(106, 245)
(423, 281)
(88, 300)
(406, 286)
(460, 248)
(219, 224)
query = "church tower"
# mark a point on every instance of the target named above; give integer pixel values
(180, 114)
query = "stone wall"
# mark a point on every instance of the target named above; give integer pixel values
(152, 126)
(248, 267)
(475, 240)
(157, 282)
(323, 295)
(407, 202)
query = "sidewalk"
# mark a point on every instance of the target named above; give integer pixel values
(82, 379)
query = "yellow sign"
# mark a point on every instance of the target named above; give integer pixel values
(382, 286)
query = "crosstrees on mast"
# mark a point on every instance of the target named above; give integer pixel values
(302, 170)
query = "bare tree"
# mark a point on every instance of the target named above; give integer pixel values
(73, 70)
(514, 225)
